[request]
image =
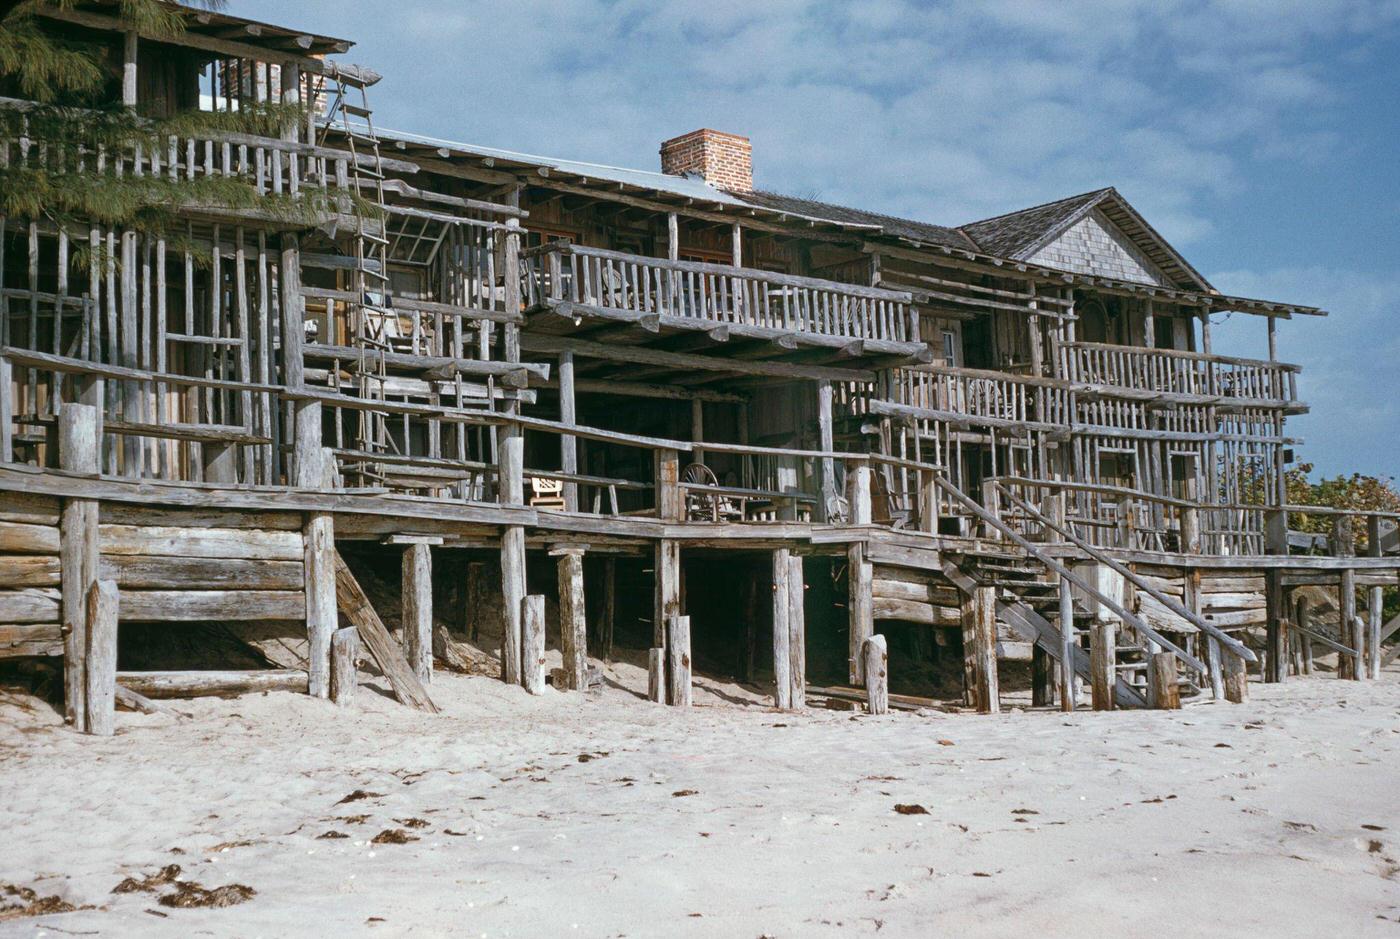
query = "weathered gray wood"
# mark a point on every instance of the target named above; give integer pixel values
(656, 675)
(1067, 644)
(1349, 665)
(605, 644)
(1166, 695)
(532, 644)
(782, 682)
(797, 632)
(166, 606)
(79, 450)
(29, 570)
(320, 601)
(860, 607)
(360, 612)
(131, 701)
(679, 648)
(1236, 677)
(666, 599)
(573, 624)
(212, 683)
(30, 605)
(345, 652)
(19, 538)
(7, 416)
(417, 616)
(512, 600)
(876, 660)
(568, 444)
(1276, 656)
(1042, 677)
(138, 572)
(201, 543)
(980, 657)
(670, 503)
(100, 683)
(861, 506)
(1103, 664)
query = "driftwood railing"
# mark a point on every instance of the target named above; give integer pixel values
(1171, 371)
(716, 294)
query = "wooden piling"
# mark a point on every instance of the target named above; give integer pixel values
(979, 626)
(1349, 666)
(605, 630)
(79, 443)
(875, 654)
(680, 661)
(573, 623)
(318, 538)
(860, 607)
(1166, 695)
(532, 644)
(1303, 617)
(656, 675)
(1236, 677)
(1043, 677)
(512, 598)
(1067, 644)
(345, 651)
(797, 632)
(416, 599)
(1103, 664)
(1275, 655)
(782, 682)
(100, 682)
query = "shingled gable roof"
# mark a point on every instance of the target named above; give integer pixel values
(1019, 235)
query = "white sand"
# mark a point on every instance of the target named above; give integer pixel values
(1039, 824)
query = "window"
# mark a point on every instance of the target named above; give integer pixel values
(950, 348)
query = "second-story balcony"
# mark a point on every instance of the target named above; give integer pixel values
(1179, 376)
(855, 321)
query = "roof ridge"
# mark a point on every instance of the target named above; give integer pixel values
(1044, 205)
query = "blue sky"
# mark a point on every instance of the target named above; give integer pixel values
(1261, 137)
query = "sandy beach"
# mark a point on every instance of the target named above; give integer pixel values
(602, 815)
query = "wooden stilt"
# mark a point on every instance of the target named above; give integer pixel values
(875, 654)
(345, 651)
(573, 623)
(680, 661)
(78, 553)
(667, 598)
(1043, 677)
(532, 644)
(797, 632)
(860, 607)
(1103, 664)
(417, 603)
(512, 598)
(1302, 612)
(609, 608)
(1236, 678)
(1349, 666)
(1166, 695)
(980, 632)
(318, 535)
(100, 696)
(782, 662)
(656, 674)
(1276, 655)
(1067, 644)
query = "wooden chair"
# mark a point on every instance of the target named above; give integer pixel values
(546, 493)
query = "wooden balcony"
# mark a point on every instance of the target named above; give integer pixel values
(1183, 375)
(573, 283)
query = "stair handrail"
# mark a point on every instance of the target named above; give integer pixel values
(1015, 537)
(1180, 609)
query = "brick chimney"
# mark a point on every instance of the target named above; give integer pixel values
(723, 160)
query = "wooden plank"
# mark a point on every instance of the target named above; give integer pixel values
(201, 543)
(30, 605)
(912, 611)
(17, 538)
(136, 572)
(28, 508)
(345, 653)
(169, 606)
(212, 683)
(360, 612)
(29, 570)
(117, 513)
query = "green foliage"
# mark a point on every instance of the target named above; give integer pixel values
(68, 125)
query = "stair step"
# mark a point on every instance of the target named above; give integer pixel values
(356, 110)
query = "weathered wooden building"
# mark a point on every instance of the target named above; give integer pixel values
(709, 422)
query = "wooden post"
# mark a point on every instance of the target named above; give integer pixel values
(1375, 607)
(979, 626)
(670, 502)
(7, 415)
(680, 661)
(656, 673)
(573, 623)
(130, 43)
(1276, 656)
(345, 651)
(1303, 617)
(1236, 677)
(1067, 644)
(322, 619)
(79, 559)
(532, 644)
(860, 494)
(1349, 666)
(875, 653)
(1043, 677)
(860, 607)
(1166, 696)
(826, 442)
(673, 237)
(782, 682)
(609, 608)
(1103, 663)
(667, 599)
(568, 444)
(474, 605)
(797, 632)
(736, 245)
(512, 598)
(100, 682)
(417, 603)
